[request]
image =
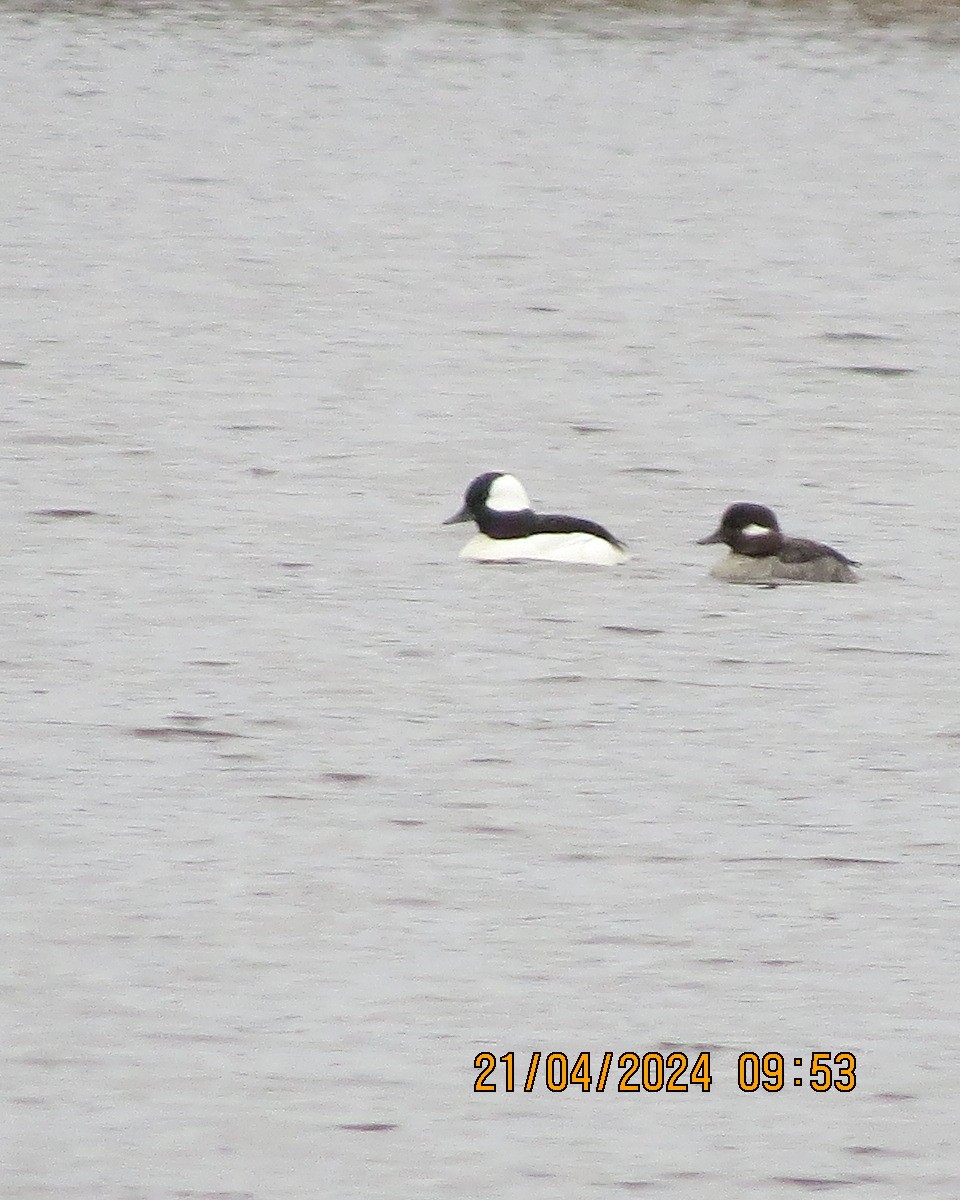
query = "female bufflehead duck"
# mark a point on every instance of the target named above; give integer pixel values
(760, 553)
(510, 529)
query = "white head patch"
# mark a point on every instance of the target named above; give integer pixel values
(507, 495)
(754, 530)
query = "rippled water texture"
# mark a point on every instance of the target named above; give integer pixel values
(300, 812)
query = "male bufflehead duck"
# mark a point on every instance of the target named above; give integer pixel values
(510, 529)
(760, 553)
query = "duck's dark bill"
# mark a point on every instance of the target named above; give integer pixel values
(460, 517)
(714, 537)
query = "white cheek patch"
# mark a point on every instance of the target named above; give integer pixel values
(507, 495)
(754, 530)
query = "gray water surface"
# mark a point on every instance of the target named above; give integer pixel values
(300, 812)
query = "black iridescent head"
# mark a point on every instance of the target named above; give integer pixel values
(491, 494)
(749, 529)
